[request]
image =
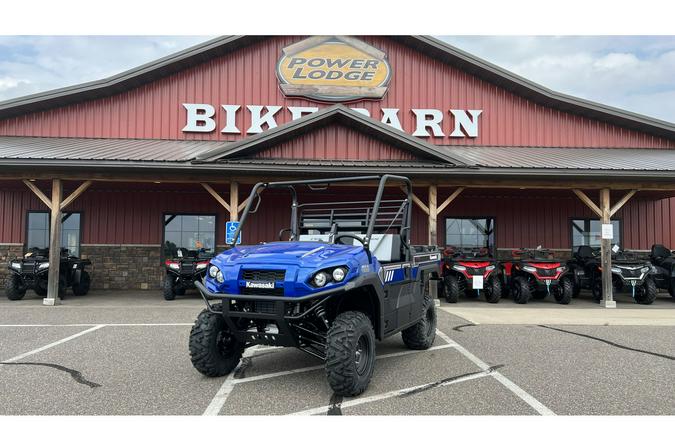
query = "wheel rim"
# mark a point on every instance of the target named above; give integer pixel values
(225, 343)
(362, 355)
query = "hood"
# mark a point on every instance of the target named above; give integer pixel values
(304, 254)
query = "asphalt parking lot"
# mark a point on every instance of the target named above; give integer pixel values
(126, 353)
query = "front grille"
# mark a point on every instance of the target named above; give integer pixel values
(187, 268)
(28, 267)
(546, 273)
(475, 271)
(263, 275)
(264, 307)
(278, 291)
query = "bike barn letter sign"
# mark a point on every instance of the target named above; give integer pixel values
(333, 69)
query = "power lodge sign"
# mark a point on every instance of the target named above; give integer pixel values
(333, 69)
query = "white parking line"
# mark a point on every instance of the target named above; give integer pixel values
(56, 343)
(107, 324)
(223, 393)
(350, 402)
(515, 389)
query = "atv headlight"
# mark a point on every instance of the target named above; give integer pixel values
(320, 279)
(219, 277)
(174, 266)
(459, 267)
(16, 265)
(529, 269)
(561, 269)
(616, 270)
(339, 274)
(201, 265)
(489, 268)
(644, 270)
(213, 271)
(43, 266)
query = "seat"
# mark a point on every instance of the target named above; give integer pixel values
(662, 256)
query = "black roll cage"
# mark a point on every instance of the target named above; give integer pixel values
(322, 184)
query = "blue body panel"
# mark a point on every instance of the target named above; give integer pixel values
(300, 261)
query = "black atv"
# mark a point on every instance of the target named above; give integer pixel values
(537, 273)
(470, 270)
(663, 261)
(182, 271)
(31, 272)
(629, 272)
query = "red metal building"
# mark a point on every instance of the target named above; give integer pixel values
(183, 138)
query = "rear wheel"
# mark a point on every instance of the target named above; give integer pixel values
(576, 289)
(350, 353)
(40, 290)
(63, 285)
(421, 335)
(14, 288)
(82, 288)
(214, 351)
(671, 288)
(521, 290)
(646, 293)
(451, 289)
(493, 290)
(596, 290)
(563, 293)
(169, 282)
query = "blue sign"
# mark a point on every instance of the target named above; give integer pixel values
(230, 228)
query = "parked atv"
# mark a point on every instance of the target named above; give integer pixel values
(537, 273)
(663, 261)
(31, 272)
(470, 270)
(629, 272)
(347, 276)
(182, 271)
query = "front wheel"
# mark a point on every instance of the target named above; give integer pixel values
(563, 293)
(521, 290)
(13, 287)
(493, 290)
(646, 293)
(451, 289)
(350, 353)
(169, 283)
(82, 288)
(214, 351)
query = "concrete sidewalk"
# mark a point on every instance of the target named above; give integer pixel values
(582, 311)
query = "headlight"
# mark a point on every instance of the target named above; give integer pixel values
(644, 270)
(174, 265)
(561, 269)
(320, 279)
(529, 269)
(213, 271)
(339, 274)
(219, 277)
(16, 265)
(459, 267)
(489, 268)
(43, 266)
(616, 270)
(201, 265)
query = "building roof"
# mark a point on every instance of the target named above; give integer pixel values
(333, 114)
(566, 158)
(82, 149)
(425, 44)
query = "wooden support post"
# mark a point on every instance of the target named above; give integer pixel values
(54, 245)
(606, 253)
(234, 201)
(77, 192)
(433, 215)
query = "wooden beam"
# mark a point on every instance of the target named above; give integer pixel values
(218, 198)
(418, 201)
(234, 201)
(77, 192)
(38, 193)
(450, 198)
(433, 215)
(622, 202)
(242, 205)
(589, 203)
(54, 245)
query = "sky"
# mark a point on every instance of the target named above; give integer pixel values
(635, 73)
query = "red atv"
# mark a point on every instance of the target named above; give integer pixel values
(537, 273)
(471, 270)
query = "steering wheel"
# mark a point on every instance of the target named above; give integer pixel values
(351, 236)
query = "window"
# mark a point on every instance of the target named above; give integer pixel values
(470, 232)
(189, 232)
(38, 231)
(587, 232)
